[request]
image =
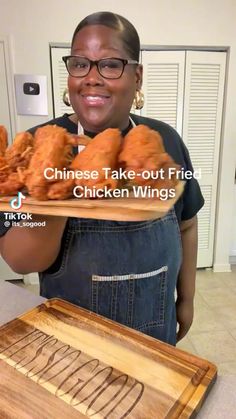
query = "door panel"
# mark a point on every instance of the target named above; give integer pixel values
(203, 105)
(163, 85)
(5, 272)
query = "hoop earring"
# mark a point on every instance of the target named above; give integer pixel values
(138, 99)
(66, 97)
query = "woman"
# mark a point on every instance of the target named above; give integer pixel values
(127, 271)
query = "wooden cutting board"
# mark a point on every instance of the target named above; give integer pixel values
(61, 361)
(119, 209)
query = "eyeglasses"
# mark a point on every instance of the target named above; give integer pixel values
(109, 68)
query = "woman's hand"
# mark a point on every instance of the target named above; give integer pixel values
(184, 313)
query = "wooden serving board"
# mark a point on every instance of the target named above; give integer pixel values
(61, 361)
(119, 209)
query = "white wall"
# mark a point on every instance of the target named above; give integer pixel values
(31, 24)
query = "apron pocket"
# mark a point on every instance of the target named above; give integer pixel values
(136, 300)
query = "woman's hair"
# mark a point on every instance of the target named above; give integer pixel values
(127, 31)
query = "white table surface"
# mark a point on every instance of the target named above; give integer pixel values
(219, 404)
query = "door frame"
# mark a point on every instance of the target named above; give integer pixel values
(7, 273)
(6, 41)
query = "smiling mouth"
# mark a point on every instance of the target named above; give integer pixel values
(95, 100)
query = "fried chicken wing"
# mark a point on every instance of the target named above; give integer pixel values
(101, 152)
(143, 150)
(12, 184)
(20, 152)
(53, 149)
(4, 169)
(62, 189)
(14, 162)
(3, 140)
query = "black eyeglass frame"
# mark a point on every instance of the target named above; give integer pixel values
(96, 62)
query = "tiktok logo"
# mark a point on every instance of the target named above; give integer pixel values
(16, 203)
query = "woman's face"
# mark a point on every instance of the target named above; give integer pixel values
(101, 103)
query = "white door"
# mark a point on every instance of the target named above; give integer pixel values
(186, 90)
(5, 272)
(163, 86)
(202, 121)
(4, 102)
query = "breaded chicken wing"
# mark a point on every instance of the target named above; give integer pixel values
(12, 184)
(14, 162)
(53, 149)
(4, 169)
(101, 152)
(3, 140)
(20, 152)
(143, 150)
(63, 189)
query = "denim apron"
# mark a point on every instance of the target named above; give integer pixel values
(126, 271)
